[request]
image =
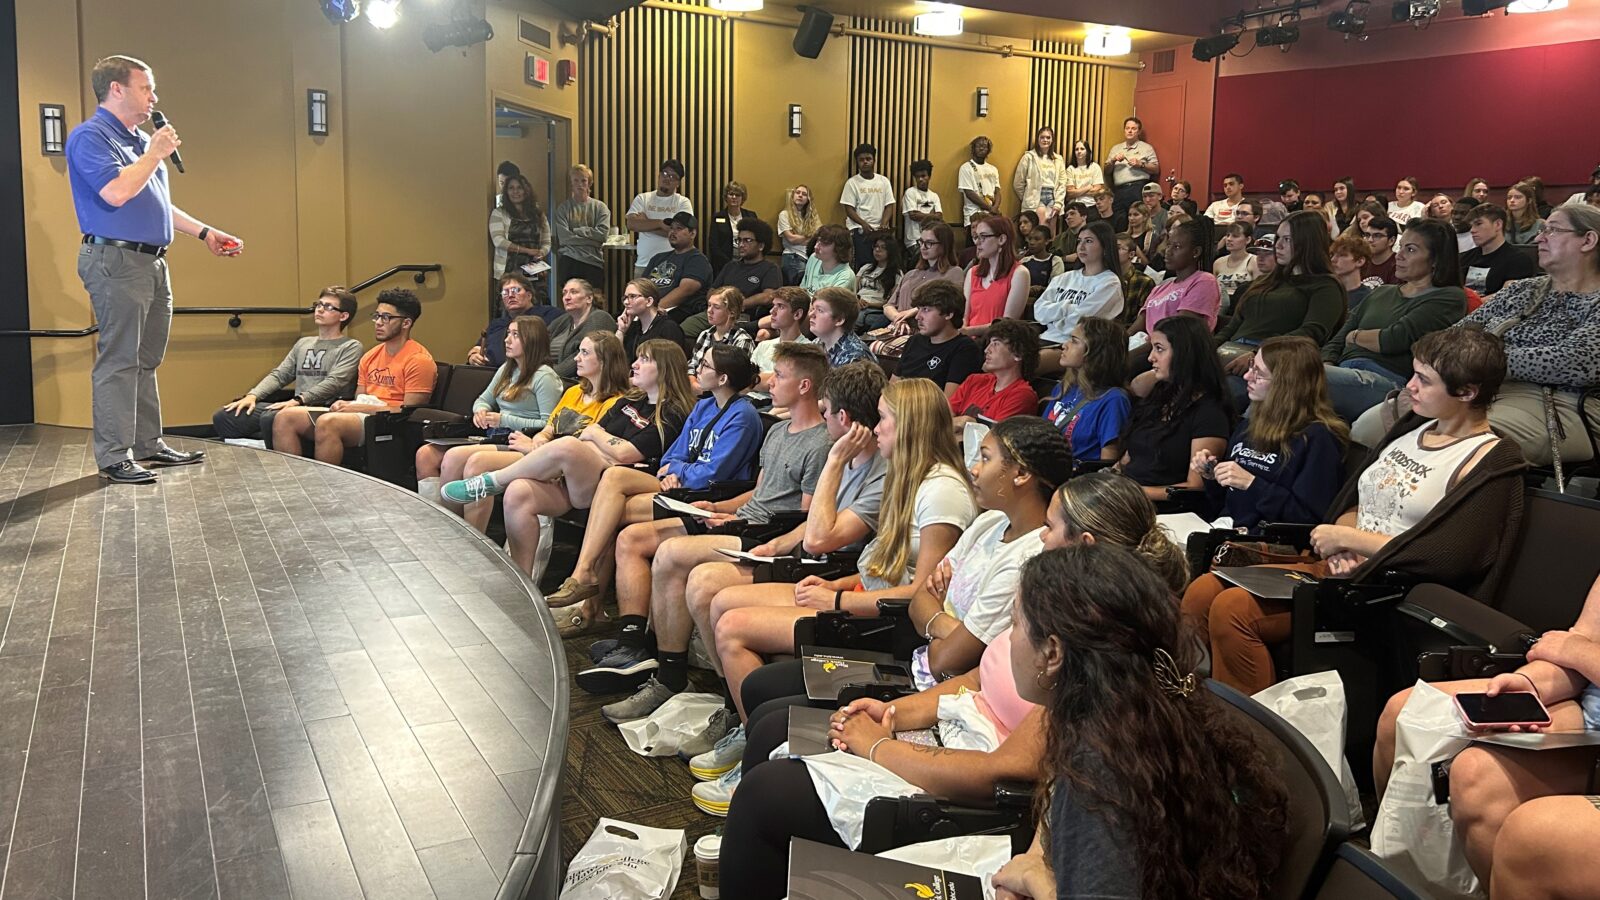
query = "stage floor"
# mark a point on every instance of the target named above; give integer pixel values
(262, 677)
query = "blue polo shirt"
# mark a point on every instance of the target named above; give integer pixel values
(96, 151)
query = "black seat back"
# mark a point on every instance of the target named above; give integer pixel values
(1358, 874)
(441, 383)
(1557, 558)
(1319, 820)
(466, 384)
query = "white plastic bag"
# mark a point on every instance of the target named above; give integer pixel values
(962, 726)
(1413, 832)
(621, 861)
(680, 720)
(845, 783)
(978, 855)
(541, 554)
(971, 438)
(1314, 704)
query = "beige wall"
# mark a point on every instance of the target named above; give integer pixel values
(403, 177)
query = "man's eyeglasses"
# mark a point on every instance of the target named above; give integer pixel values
(1375, 235)
(744, 240)
(386, 318)
(324, 305)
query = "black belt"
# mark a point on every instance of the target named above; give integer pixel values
(155, 250)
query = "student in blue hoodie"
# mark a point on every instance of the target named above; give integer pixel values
(718, 442)
(1285, 461)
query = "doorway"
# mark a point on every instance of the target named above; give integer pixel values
(540, 145)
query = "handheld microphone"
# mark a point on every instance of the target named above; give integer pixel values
(159, 119)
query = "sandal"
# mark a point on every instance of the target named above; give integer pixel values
(572, 620)
(571, 591)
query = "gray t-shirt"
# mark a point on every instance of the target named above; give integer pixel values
(319, 369)
(861, 492)
(1091, 855)
(790, 467)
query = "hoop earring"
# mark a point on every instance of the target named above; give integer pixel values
(1038, 681)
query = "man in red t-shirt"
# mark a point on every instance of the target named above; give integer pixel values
(398, 372)
(1010, 356)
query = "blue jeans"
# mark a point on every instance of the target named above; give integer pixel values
(793, 268)
(1357, 385)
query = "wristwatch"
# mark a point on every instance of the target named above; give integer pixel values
(300, 399)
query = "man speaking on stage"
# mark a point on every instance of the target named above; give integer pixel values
(125, 211)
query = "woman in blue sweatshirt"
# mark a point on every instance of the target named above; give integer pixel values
(1285, 461)
(722, 436)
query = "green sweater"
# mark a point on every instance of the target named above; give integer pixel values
(1400, 321)
(1310, 306)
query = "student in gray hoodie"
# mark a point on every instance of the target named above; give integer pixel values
(322, 368)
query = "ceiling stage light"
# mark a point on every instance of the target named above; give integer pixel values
(383, 13)
(1209, 48)
(1107, 40)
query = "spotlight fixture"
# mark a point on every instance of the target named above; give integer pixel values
(341, 11)
(1535, 6)
(941, 20)
(1352, 22)
(1208, 48)
(1282, 35)
(1420, 13)
(1107, 40)
(383, 13)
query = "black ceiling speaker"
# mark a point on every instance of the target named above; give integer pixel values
(592, 10)
(813, 31)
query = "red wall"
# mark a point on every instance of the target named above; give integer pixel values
(1498, 116)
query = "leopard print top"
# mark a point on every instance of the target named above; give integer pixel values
(1557, 345)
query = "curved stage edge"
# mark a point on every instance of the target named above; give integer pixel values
(266, 677)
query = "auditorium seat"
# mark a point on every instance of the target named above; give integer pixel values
(1358, 874)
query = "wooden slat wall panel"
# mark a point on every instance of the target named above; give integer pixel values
(1067, 96)
(658, 89)
(887, 107)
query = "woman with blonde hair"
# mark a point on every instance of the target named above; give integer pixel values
(798, 223)
(1522, 213)
(602, 372)
(927, 503)
(522, 394)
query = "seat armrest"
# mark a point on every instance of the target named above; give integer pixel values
(1014, 794)
(1463, 619)
(1185, 500)
(895, 607)
(1295, 534)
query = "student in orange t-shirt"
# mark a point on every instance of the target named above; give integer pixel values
(398, 372)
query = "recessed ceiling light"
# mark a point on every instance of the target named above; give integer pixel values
(1535, 6)
(736, 5)
(941, 20)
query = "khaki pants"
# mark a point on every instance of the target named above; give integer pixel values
(1518, 412)
(132, 302)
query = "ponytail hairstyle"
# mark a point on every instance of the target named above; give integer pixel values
(673, 394)
(1114, 509)
(535, 337)
(1296, 399)
(1170, 765)
(924, 440)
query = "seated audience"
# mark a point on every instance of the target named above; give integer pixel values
(322, 368)
(1223, 211)
(582, 316)
(397, 373)
(1089, 406)
(1041, 262)
(829, 263)
(1346, 257)
(1105, 209)
(1091, 292)
(750, 271)
(1183, 198)
(1380, 233)
(1146, 236)
(936, 259)
(602, 379)
(1066, 242)
(1371, 355)
(1168, 796)
(876, 277)
(1441, 208)
(939, 351)
(1364, 214)
(1439, 500)
(1477, 189)
(516, 299)
(654, 558)
(833, 323)
(522, 395)
(1136, 285)
(1491, 263)
(1405, 206)
(564, 474)
(1185, 413)
(791, 307)
(1237, 267)
(1523, 218)
(997, 284)
(1551, 327)
(1344, 202)
(1525, 817)
(1010, 356)
(722, 327)
(1285, 461)
(1188, 291)
(681, 273)
(641, 318)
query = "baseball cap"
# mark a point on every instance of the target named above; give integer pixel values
(685, 219)
(1267, 243)
(1151, 188)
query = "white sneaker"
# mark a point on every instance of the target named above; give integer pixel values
(714, 797)
(727, 754)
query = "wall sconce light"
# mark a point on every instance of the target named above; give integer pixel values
(794, 120)
(317, 112)
(983, 103)
(52, 129)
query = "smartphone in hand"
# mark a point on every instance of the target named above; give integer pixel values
(1519, 708)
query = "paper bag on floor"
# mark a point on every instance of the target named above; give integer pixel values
(1314, 704)
(1413, 831)
(678, 721)
(621, 861)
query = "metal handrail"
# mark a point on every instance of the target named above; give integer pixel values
(234, 313)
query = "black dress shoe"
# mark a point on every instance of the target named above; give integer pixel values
(127, 472)
(170, 457)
